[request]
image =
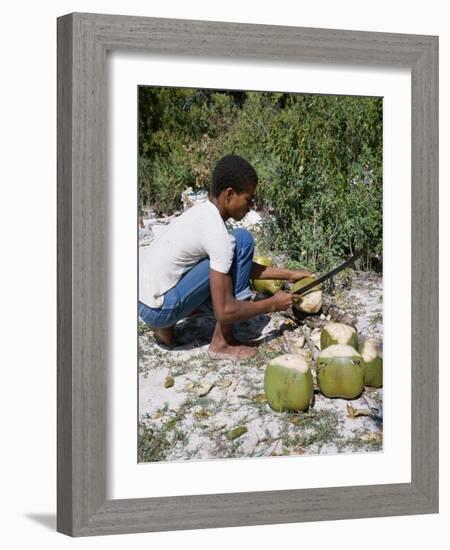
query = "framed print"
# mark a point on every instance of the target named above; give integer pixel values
(203, 396)
(200, 424)
(89, 415)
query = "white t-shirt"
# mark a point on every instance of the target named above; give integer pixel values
(198, 233)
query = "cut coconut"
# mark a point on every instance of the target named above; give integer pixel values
(311, 302)
(266, 286)
(338, 333)
(340, 372)
(372, 354)
(288, 383)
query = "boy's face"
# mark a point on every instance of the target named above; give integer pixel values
(238, 204)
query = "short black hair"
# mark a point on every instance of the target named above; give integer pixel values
(232, 171)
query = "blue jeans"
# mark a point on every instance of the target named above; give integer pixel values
(193, 291)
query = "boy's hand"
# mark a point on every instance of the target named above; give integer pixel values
(281, 300)
(296, 275)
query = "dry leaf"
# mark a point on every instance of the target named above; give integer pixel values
(204, 389)
(190, 386)
(157, 415)
(373, 437)
(224, 384)
(353, 413)
(237, 432)
(169, 382)
(259, 398)
(202, 414)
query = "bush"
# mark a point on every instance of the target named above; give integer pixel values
(318, 158)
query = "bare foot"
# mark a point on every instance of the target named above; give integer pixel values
(164, 336)
(225, 346)
(233, 352)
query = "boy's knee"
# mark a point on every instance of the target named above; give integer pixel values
(243, 238)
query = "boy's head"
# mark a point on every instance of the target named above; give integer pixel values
(232, 171)
(234, 180)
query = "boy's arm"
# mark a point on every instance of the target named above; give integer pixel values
(265, 272)
(227, 309)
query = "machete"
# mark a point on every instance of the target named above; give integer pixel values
(328, 275)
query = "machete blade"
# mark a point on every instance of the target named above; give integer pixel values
(328, 275)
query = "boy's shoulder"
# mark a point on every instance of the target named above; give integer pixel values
(203, 214)
(202, 210)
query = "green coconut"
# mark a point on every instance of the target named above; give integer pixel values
(263, 260)
(372, 354)
(266, 286)
(288, 383)
(340, 372)
(311, 302)
(338, 333)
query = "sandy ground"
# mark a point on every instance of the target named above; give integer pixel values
(190, 405)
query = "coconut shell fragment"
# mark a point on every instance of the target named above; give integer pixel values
(340, 372)
(338, 333)
(288, 383)
(372, 354)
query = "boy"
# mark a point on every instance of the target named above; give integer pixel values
(196, 264)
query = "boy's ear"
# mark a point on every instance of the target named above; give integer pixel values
(229, 192)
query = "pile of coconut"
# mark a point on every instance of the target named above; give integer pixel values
(342, 369)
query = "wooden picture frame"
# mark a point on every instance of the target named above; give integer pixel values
(83, 40)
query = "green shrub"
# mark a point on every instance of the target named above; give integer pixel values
(318, 158)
